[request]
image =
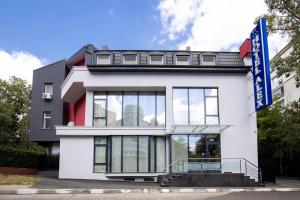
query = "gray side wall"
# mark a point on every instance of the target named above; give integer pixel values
(53, 73)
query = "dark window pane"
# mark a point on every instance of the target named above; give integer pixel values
(152, 154)
(196, 146)
(160, 154)
(100, 140)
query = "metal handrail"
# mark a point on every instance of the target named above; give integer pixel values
(249, 169)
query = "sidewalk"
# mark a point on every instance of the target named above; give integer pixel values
(52, 185)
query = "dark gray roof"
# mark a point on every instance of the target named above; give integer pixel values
(222, 58)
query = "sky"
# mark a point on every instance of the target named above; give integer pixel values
(34, 33)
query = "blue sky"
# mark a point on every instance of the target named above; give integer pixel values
(55, 29)
(34, 33)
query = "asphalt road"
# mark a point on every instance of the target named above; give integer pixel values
(171, 196)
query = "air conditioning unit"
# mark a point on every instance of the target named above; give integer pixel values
(46, 96)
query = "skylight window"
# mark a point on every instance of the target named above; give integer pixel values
(182, 59)
(130, 59)
(103, 59)
(156, 59)
(208, 59)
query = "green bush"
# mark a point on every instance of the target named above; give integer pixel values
(14, 157)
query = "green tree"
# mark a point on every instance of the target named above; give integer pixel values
(284, 18)
(14, 108)
(279, 133)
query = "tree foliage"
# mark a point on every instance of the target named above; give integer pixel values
(284, 18)
(279, 132)
(14, 113)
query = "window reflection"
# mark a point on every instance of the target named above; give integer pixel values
(211, 106)
(130, 109)
(180, 106)
(146, 109)
(114, 109)
(196, 106)
(161, 109)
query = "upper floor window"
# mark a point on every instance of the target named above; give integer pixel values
(156, 59)
(195, 106)
(279, 92)
(208, 59)
(130, 59)
(47, 120)
(115, 109)
(182, 59)
(103, 59)
(48, 88)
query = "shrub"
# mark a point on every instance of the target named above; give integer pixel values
(15, 157)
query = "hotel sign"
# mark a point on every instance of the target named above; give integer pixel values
(261, 66)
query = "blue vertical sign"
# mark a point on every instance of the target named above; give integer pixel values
(261, 66)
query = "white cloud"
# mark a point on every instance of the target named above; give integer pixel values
(20, 64)
(212, 25)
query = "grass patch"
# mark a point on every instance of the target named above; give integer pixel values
(18, 180)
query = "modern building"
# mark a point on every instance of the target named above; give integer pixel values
(284, 87)
(138, 114)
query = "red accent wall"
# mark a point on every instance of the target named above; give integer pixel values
(245, 48)
(71, 115)
(80, 63)
(79, 111)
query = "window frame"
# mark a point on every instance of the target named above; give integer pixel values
(103, 53)
(208, 63)
(182, 54)
(156, 94)
(106, 154)
(205, 96)
(49, 84)
(130, 53)
(156, 54)
(44, 120)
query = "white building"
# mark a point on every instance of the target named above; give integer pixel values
(146, 113)
(285, 87)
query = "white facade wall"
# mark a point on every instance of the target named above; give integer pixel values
(236, 108)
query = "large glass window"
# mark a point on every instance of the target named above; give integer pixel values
(160, 153)
(100, 151)
(48, 88)
(116, 143)
(143, 154)
(115, 109)
(180, 106)
(195, 106)
(160, 109)
(129, 154)
(146, 109)
(191, 148)
(179, 147)
(117, 154)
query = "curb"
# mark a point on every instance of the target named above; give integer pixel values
(126, 191)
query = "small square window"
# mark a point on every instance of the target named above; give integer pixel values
(208, 59)
(156, 59)
(103, 59)
(182, 59)
(47, 120)
(130, 59)
(48, 88)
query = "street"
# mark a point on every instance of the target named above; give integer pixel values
(150, 196)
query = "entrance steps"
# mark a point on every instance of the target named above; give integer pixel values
(206, 180)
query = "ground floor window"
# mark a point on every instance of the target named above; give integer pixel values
(195, 149)
(130, 154)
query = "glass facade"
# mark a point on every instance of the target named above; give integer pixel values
(195, 106)
(131, 109)
(130, 154)
(187, 147)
